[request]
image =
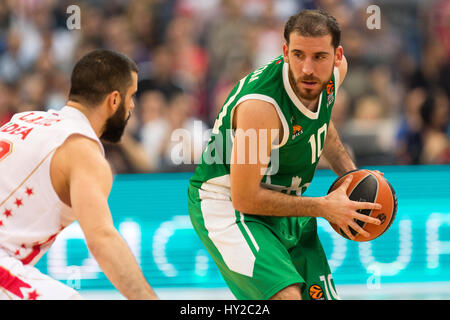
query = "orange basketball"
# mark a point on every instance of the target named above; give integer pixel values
(369, 186)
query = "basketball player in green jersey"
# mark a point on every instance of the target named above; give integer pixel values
(247, 208)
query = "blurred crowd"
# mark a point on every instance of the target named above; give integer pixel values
(393, 107)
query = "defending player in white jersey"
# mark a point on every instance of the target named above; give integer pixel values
(53, 172)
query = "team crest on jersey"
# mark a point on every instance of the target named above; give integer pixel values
(330, 93)
(296, 131)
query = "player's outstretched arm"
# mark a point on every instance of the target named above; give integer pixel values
(246, 192)
(89, 178)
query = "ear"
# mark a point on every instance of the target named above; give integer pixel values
(339, 56)
(341, 64)
(286, 52)
(114, 100)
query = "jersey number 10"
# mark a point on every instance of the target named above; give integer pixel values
(316, 148)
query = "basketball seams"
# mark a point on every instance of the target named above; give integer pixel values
(376, 197)
(348, 195)
(357, 184)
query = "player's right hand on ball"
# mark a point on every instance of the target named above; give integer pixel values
(341, 211)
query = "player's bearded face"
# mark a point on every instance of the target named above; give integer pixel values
(116, 124)
(309, 87)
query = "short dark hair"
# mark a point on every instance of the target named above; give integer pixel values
(99, 73)
(313, 23)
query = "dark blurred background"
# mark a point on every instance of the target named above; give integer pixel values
(393, 107)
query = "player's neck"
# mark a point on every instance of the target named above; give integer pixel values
(96, 120)
(310, 104)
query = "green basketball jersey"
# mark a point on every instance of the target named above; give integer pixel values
(293, 162)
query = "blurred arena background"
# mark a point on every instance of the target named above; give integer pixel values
(392, 113)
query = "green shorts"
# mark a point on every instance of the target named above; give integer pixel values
(258, 255)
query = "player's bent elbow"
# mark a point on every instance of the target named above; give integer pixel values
(238, 205)
(244, 202)
(239, 201)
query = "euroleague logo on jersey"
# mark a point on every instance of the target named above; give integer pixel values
(316, 292)
(296, 131)
(330, 92)
(330, 87)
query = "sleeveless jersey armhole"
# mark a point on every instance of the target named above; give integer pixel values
(277, 108)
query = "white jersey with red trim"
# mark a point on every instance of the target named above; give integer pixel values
(31, 213)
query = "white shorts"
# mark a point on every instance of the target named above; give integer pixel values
(25, 282)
